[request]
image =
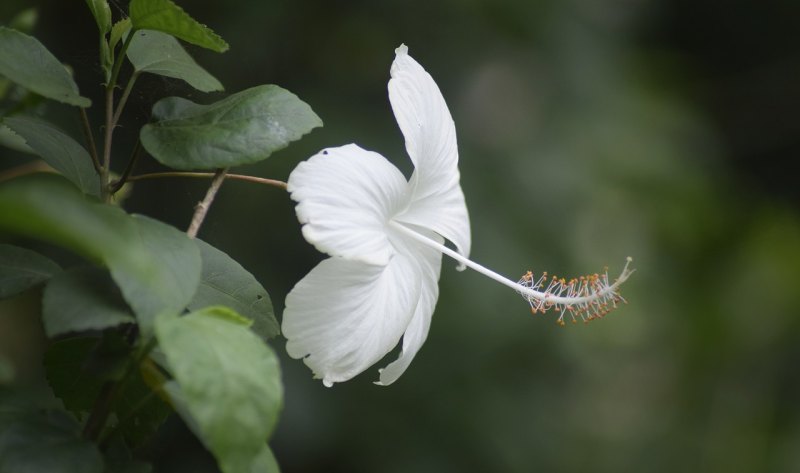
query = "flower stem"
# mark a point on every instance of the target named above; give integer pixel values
(525, 291)
(202, 207)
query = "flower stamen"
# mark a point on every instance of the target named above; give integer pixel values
(586, 297)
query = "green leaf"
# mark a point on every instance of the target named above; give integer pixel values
(78, 367)
(165, 16)
(225, 282)
(11, 140)
(156, 267)
(265, 462)
(25, 20)
(102, 14)
(178, 275)
(244, 128)
(46, 442)
(21, 269)
(160, 53)
(228, 383)
(118, 31)
(24, 60)
(82, 299)
(58, 150)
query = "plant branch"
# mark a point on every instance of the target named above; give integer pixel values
(118, 60)
(87, 133)
(109, 130)
(128, 169)
(124, 98)
(203, 175)
(202, 207)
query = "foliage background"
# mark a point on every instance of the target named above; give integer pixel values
(588, 130)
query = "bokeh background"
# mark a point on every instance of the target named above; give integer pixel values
(589, 130)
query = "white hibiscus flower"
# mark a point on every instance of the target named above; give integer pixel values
(385, 237)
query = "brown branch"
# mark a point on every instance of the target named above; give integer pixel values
(202, 207)
(202, 175)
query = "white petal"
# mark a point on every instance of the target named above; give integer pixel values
(430, 262)
(437, 201)
(345, 197)
(346, 315)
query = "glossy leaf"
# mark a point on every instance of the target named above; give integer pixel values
(101, 13)
(82, 299)
(245, 127)
(21, 269)
(58, 150)
(77, 368)
(225, 282)
(160, 53)
(156, 267)
(24, 60)
(45, 442)
(228, 386)
(165, 16)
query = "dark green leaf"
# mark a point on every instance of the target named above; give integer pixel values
(21, 269)
(118, 459)
(46, 442)
(165, 16)
(78, 367)
(156, 267)
(244, 128)
(140, 410)
(225, 282)
(82, 299)
(101, 13)
(228, 383)
(160, 53)
(58, 150)
(24, 60)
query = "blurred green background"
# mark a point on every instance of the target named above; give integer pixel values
(589, 130)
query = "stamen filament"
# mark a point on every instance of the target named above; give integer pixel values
(591, 291)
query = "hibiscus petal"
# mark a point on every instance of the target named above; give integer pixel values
(345, 196)
(437, 201)
(346, 315)
(430, 263)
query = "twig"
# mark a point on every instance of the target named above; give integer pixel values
(237, 177)
(202, 207)
(128, 169)
(124, 98)
(87, 133)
